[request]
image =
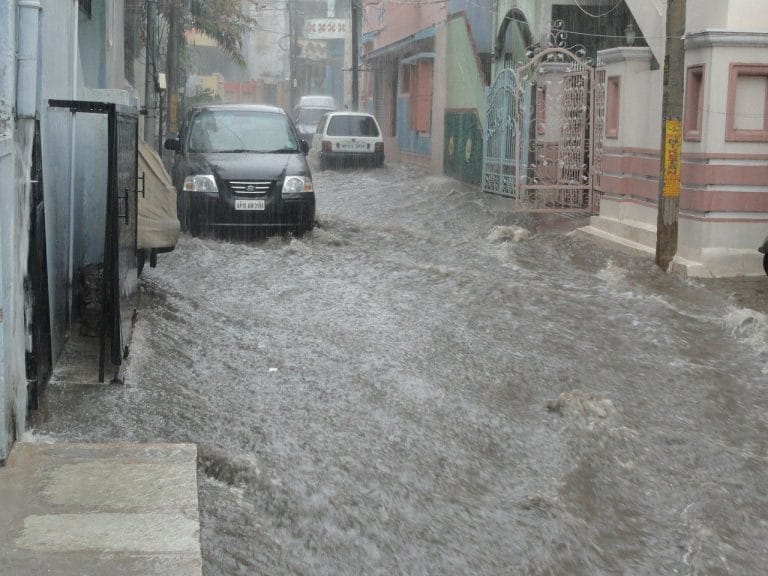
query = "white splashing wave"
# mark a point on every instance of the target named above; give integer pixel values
(328, 237)
(749, 326)
(612, 274)
(514, 234)
(32, 437)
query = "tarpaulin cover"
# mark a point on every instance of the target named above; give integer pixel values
(158, 221)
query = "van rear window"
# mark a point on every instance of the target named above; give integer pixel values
(352, 126)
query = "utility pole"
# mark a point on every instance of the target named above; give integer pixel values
(179, 18)
(175, 30)
(150, 73)
(291, 56)
(355, 55)
(671, 135)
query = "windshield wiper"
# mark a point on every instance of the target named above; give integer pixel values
(282, 151)
(244, 150)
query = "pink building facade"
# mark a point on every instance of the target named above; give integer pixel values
(723, 214)
(399, 55)
(411, 53)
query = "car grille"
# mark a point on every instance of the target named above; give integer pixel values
(250, 187)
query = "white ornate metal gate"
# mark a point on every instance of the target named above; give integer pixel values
(544, 132)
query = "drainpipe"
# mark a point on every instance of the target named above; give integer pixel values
(74, 62)
(26, 58)
(27, 40)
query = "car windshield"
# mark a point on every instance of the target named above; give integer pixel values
(310, 115)
(241, 131)
(352, 126)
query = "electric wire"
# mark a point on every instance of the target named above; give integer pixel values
(580, 7)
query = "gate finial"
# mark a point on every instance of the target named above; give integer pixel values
(557, 38)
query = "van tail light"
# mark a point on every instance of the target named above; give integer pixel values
(379, 147)
(327, 146)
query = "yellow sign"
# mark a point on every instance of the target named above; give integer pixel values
(673, 146)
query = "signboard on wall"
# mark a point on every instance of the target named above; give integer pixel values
(325, 28)
(313, 50)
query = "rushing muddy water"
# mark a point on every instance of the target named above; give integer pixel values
(430, 383)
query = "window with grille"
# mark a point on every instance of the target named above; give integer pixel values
(85, 7)
(613, 107)
(420, 97)
(405, 79)
(747, 115)
(694, 100)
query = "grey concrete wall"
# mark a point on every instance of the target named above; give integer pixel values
(59, 56)
(6, 377)
(7, 189)
(76, 54)
(79, 55)
(16, 138)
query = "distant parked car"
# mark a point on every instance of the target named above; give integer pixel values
(317, 101)
(348, 139)
(242, 167)
(307, 118)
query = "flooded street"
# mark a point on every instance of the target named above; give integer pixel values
(430, 383)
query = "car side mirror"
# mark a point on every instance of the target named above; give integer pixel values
(172, 144)
(304, 147)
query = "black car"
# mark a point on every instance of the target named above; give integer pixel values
(241, 167)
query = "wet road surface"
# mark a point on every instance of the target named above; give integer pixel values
(430, 383)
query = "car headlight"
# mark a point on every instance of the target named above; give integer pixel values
(298, 185)
(204, 183)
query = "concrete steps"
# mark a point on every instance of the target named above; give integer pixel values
(112, 509)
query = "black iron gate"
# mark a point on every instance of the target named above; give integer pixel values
(120, 275)
(38, 353)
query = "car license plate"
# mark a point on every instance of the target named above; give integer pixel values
(354, 146)
(249, 204)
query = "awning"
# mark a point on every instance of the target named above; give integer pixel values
(404, 44)
(416, 57)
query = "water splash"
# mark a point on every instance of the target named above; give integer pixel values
(750, 327)
(515, 234)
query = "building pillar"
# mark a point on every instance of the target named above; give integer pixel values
(7, 189)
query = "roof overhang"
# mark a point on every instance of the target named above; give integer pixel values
(402, 45)
(417, 57)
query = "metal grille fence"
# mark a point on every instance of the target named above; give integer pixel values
(543, 139)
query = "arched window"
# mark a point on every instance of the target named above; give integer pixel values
(513, 38)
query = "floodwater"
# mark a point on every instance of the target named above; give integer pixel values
(431, 383)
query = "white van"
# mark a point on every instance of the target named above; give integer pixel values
(317, 101)
(348, 139)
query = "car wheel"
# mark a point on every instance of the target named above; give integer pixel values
(301, 230)
(141, 257)
(183, 208)
(765, 263)
(196, 227)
